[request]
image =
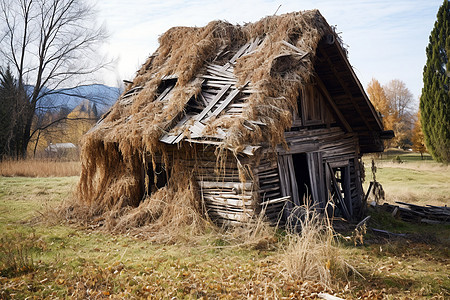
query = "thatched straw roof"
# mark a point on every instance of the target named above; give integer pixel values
(257, 68)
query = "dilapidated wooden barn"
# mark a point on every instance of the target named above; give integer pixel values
(244, 119)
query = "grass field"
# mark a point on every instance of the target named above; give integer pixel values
(413, 180)
(58, 260)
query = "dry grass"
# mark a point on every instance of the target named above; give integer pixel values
(416, 165)
(415, 181)
(39, 168)
(312, 254)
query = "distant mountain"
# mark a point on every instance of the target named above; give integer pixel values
(101, 95)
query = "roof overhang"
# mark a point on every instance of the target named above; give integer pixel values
(348, 96)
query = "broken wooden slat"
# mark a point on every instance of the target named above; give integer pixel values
(174, 138)
(338, 194)
(164, 93)
(278, 200)
(240, 52)
(298, 50)
(197, 128)
(219, 78)
(242, 186)
(222, 106)
(213, 102)
(219, 71)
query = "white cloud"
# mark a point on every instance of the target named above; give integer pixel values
(386, 39)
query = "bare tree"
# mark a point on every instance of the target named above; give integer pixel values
(401, 102)
(400, 98)
(49, 45)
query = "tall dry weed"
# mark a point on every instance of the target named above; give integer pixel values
(311, 252)
(16, 254)
(39, 168)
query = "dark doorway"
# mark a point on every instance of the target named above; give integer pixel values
(300, 165)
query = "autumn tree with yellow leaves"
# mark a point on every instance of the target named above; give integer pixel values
(379, 100)
(418, 139)
(394, 104)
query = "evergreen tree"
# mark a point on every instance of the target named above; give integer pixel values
(435, 99)
(6, 101)
(12, 104)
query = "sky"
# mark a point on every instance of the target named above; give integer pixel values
(386, 39)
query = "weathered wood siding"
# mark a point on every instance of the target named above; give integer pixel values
(325, 149)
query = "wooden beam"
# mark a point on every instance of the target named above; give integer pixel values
(333, 105)
(338, 193)
(224, 104)
(344, 58)
(345, 87)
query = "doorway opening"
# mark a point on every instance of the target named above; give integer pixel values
(301, 170)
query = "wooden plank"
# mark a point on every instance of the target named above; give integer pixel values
(240, 52)
(312, 171)
(302, 148)
(246, 186)
(230, 202)
(338, 194)
(164, 93)
(213, 102)
(298, 50)
(263, 182)
(323, 197)
(219, 78)
(225, 102)
(242, 217)
(197, 128)
(293, 179)
(168, 139)
(234, 110)
(246, 197)
(203, 99)
(214, 83)
(254, 45)
(219, 71)
(174, 138)
(336, 110)
(347, 191)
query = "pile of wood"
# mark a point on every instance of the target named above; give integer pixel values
(415, 213)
